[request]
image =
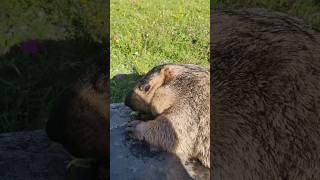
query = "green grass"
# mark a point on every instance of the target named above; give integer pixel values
(146, 33)
(70, 35)
(21, 20)
(309, 10)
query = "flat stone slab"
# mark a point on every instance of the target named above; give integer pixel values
(133, 160)
(31, 156)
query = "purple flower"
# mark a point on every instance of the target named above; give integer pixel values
(119, 76)
(29, 47)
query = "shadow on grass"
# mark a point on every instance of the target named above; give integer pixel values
(29, 83)
(120, 86)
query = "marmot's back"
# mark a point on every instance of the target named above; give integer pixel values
(265, 96)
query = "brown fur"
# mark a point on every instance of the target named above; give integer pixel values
(80, 118)
(178, 98)
(265, 99)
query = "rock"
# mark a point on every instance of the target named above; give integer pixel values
(31, 156)
(130, 159)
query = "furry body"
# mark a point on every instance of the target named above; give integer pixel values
(177, 96)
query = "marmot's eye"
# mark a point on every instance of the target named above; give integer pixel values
(146, 88)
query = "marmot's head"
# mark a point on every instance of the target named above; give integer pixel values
(164, 86)
(142, 95)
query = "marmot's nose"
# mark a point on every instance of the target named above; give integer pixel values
(127, 101)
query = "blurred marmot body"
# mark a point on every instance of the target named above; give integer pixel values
(177, 96)
(80, 119)
(265, 96)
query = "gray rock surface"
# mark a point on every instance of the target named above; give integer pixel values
(31, 156)
(133, 160)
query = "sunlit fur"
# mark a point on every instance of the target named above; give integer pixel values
(179, 100)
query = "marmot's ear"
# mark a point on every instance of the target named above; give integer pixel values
(166, 74)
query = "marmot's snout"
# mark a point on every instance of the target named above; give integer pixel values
(136, 102)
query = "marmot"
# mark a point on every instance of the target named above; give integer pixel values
(265, 96)
(80, 120)
(177, 96)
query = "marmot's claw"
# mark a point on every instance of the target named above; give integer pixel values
(133, 131)
(130, 131)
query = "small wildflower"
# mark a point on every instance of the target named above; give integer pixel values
(30, 47)
(119, 76)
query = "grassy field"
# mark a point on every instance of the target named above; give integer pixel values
(54, 20)
(148, 33)
(44, 46)
(66, 36)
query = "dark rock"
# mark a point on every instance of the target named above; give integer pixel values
(31, 156)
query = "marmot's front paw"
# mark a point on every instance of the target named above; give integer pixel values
(136, 129)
